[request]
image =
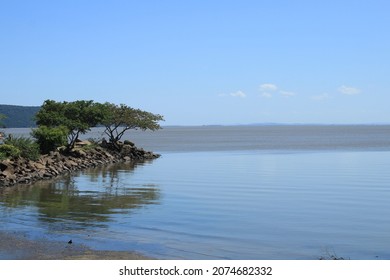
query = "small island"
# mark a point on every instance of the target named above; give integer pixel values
(56, 149)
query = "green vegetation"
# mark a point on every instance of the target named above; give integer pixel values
(61, 123)
(27, 147)
(119, 119)
(13, 147)
(2, 117)
(50, 138)
(78, 117)
(8, 151)
(18, 116)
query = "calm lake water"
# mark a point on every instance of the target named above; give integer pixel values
(240, 192)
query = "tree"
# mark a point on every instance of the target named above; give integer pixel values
(78, 117)
(119, 119)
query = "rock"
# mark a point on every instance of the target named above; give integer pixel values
(71, 163)
(24, 171)
(9, 175)
(61, 149)
(81, 143)
(24, 180)
(39, 166)
(79, 153)
(127, 142)
(47, 175)
(6, 164)
(127, 150)
(41, 173)
(54, 170)
(56, 156)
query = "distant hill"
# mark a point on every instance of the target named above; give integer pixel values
(19, 116)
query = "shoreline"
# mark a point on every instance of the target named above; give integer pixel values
(18, 247)
(21, 171)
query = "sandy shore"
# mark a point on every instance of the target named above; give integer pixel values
(17, 247)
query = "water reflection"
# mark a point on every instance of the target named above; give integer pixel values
(91, 198)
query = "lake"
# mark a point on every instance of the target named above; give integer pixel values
(223, 192)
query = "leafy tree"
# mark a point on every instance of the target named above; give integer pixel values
(119, 119)
(78, 117)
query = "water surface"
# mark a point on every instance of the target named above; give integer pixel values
(239, 199)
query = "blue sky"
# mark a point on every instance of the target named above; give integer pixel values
(203, 62)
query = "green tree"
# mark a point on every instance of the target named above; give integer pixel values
(119, 119)
(78, 117)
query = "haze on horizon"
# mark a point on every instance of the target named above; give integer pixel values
(203, 62)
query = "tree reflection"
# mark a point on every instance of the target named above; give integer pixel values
(93, 197)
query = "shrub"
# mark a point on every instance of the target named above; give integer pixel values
(28, 148)
(7, 151)
(50, 138)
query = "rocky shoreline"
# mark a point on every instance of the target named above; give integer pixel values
(83, 156)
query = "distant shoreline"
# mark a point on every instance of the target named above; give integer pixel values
(240, 125)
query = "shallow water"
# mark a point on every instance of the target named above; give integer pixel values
(225, 203)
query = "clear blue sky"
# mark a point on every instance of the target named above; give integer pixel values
(204, 61)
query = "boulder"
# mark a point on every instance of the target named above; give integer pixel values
(70, 163)
(127, 142)
(127, 150)
(39, 166)
(9, 175)
(6, 164)
(81, 143)
(79, 153)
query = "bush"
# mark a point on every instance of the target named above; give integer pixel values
(27, 147)
(7, 151)
(50, 138)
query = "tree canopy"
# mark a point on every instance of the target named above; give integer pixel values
(78, 117)
(118, 119)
